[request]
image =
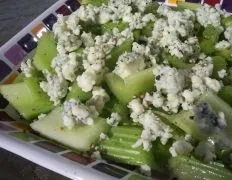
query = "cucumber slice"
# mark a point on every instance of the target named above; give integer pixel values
(45, 52)
(94, 2)
(219, 105)
(77, 93)
(108, 27)
(81, 137)
(226, 94)
(134, 85)
(27, 98)
(188, 168)
(219, 63)
(126, 46)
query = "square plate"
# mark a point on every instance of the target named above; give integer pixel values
(18, 137)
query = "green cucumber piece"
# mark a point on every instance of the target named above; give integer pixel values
(226, 21)
(219, 63)
(45, 52)
(134, 85)
(226, 94)
(188, 168)
(126, 46)
(77, 93)
(218, 105)
(27, 98)
(80, 137)
(108, 27)
(94, 2)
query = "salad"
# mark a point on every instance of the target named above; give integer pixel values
(137, 83)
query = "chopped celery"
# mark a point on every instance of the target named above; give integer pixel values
(211, 33)
(207, 46)
(147, 30)
(226, 21)
(114, 106)
(126, 46)
(94, 2)
(108, 27)
(188, 5)
(77, 93)
(226, 53)
(152, 8)
(219, 63)
(136, 34)
(119, 148)
(188, 168)
(175, 61)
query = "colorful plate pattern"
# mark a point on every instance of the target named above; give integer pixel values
(18, 137)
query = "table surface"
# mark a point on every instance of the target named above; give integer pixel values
(14, 15)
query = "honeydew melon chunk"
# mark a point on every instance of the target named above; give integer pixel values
(134, 85)
(77, 93)
(45, 52)
(27, 98)
(80, 137)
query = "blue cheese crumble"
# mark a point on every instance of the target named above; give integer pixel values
(55, 86)
(76, 113)
(27, 68)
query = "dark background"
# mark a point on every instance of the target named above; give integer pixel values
(14, 15)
